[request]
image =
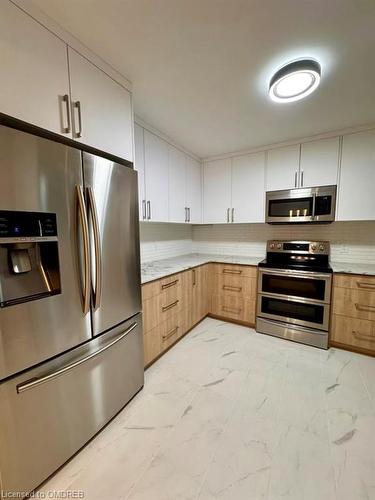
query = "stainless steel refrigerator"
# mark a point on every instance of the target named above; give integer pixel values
(71, 353)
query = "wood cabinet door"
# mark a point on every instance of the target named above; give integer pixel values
(319, 162)
(248, 190)
(34, 72)
(177, 185)
(139, 165)
(356, 200)
(217, 179)
(194, 190)
(282, 171)
(156, 177)
(105, 107)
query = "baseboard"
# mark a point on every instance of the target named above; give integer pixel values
(230, 320)
(359, 350)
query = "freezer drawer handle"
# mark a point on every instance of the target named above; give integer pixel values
(97, 246)
(167, 285)
(35, 382)
(86, 254)
(169, 306)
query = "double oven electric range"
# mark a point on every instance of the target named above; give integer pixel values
(294, 291)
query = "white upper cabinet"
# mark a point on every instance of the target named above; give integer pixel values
(357, 177)
(319, 162)
(282, 168)
(34, 72)
(101, 109)
(217, 191)
(248, 193)
(194, 190)
(139, 165)
(156, 177)
(177, 186)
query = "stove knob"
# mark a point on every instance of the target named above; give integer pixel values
(279, 246)
(321, 248)
(272, 245)
(313, 248)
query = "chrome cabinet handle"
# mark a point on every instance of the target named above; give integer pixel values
(232, 271)
(369, 286)
(363, 336)
(46, 378)
(86, 254)
(361, 307)
(143, 209)
(148, 210)
(189, 220)
(295, 179)
(228, 209)
(301, 178)
(77, 105)
(97, 247)
(232, 288)
(170, 334)
(194, 278)
(167, 285)
(169, 306)
(186, 214)
(232, 214)
(65, 99)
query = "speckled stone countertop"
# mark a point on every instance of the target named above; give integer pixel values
(157, 269)
(353, 268)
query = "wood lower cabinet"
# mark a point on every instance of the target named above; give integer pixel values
(353, 313)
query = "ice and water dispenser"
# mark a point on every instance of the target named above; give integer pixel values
(29, 257)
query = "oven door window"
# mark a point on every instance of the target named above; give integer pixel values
(304, 313)
(298, 207)
(297, 287)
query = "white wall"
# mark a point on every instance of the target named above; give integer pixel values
(163, 240)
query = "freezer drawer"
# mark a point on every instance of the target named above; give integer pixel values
(57, 407)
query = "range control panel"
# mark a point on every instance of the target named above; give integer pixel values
(301, 247)
(27, 224)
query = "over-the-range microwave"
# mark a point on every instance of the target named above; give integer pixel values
(302, 205)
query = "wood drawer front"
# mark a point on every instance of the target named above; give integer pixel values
(356, 281)
(160, 286)
(230, 306)
(161, 307)
(232, 270)
(230, 284)
(354, 303)
(353, 332)
(158, 339)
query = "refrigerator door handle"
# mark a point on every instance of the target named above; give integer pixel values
(97, 292)
(86, 255)
(35, 382)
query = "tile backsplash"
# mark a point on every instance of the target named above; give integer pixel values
(350, 241)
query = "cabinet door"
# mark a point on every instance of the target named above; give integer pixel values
(319, 162)
(106, 109)
(34, 71)
(282, 168)
(139, 165)
(248, 188)
(217, 191)
(357, 178)
(156, 177)
(194, 190)
(177, 185)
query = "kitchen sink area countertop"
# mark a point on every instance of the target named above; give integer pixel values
(354, 268)
(157, 269)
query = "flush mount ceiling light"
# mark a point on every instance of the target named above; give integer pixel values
(295, 80)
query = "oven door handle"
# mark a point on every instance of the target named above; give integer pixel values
(297, 274)
(294, 298)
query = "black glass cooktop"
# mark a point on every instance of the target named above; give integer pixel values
(297, 262)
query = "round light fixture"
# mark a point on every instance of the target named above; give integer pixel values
(295, 80)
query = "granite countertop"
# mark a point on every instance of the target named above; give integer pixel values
(157, 269)
(353, 268)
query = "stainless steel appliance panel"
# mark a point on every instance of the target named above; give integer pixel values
(112, 200)
(39, 175)
(57, 407)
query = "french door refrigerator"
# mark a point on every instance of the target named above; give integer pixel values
(71, 353)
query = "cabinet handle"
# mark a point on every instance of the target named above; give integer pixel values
(169, 306)
(189, 214)
(301, 178)
(228, 209)
(232, 271)
(363, 336)
(232, 288)
(295, 179)
(186, 216)
(65, 99)
(231, 309)
(167, 285)
(170, 334)
(369, 286)
(144, 209)
(194, 278)
(77, 105)
(148, 210)
(232, 214)
(361, 307)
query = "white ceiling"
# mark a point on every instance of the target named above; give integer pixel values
(200, 68)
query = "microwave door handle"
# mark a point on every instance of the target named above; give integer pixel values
(97, 247)
(86, 254)
(313, 207)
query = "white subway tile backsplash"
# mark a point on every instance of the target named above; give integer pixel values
(161, 241)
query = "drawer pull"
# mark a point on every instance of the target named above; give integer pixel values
(170, 334)
(363, 336)
(231, 309)
(360, 307)
(169, 306)
(232, 288)
(369, 286)
(232, 271)
(167, 285)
